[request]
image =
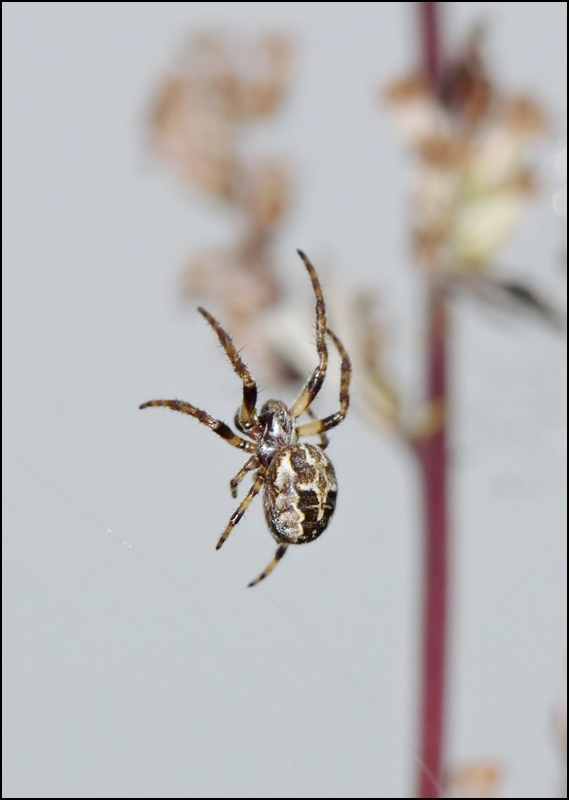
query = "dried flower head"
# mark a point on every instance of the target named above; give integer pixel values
(216, 90)
(479, 779)
(264, 194)
(473, 147)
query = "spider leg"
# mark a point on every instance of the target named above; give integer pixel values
(242, 507)
(247, 412)
(216, 425)
(314, 383)
(324, 441)
(278, 555)
(321, 425)
(252, 463)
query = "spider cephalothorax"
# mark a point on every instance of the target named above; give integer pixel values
(298, 478)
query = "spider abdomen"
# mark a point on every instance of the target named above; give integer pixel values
(300, 493)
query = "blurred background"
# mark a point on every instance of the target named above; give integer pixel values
(136, 662)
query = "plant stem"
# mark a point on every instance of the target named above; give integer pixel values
(433, 461)
(429, 22)
(433, 465)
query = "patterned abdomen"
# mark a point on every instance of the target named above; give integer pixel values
(300, 494)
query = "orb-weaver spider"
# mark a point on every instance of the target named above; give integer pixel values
(298, 478)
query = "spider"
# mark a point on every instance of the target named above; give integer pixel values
(298, 478)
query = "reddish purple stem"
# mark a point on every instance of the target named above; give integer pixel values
(430, 39)
(433, 464)
(434, 470)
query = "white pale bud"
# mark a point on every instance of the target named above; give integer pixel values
(496, 159)
(483, 224)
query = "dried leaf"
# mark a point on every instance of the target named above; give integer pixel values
(510, 296)
(528, 299)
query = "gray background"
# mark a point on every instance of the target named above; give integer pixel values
(147, 669)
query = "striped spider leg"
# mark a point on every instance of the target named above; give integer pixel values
(298, 480)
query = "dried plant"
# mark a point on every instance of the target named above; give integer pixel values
(472, 145)
(199, 119)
